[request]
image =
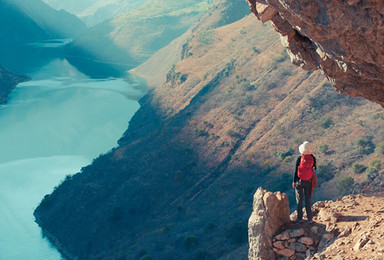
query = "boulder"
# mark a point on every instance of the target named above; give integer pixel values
(270, 212)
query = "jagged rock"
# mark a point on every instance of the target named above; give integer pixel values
(345, 232)
(319, 204)
(283, 236)
(328, 235)
(361, 243)
(270, 211)
(342, 38)
(299, 247)
(306, 240)
(324, 215)
(297, 232)
(314, 229)
(335, 217)
(285, 252)
(279, 244)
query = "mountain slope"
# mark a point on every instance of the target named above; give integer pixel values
(93, 12)
(135, 35)
(34, 20)
(228, 119)
(155, 69)
(8, 81)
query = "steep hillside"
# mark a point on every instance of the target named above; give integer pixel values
(228, 119)
(155, 69)
(33, 20)
(135, 35)
(72, 6)
(8, 81)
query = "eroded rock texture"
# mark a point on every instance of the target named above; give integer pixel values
(270, 212)
(345, 39)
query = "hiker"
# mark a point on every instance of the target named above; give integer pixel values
(304, 180)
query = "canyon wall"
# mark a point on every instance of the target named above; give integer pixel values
(344, 39)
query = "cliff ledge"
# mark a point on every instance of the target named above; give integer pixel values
(341, 38)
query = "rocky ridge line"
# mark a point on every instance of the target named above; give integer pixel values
(341, 38)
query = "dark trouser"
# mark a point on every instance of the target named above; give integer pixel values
(303, 188)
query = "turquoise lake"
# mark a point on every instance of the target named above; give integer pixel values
(52, 126)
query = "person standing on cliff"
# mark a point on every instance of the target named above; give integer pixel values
(304, 180)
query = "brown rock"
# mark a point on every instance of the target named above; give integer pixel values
(283, 236)
(324, 215)
(342, 38)
(306, 240)
(362, 241)
(265, 12)
(328, 235)
(345, 232)
(298, 247)
(314, 229)
(297, 232)
(270, 211)
(285, 252)
(279, 245)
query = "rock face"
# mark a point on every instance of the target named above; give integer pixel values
(270, 212)
(342, 38)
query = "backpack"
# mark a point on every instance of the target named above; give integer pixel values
(305, 169)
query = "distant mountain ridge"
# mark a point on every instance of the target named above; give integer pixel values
(33, 20)
(93, 12)
(135, 35)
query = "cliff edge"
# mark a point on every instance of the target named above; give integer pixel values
(341, 38)
(348, 228)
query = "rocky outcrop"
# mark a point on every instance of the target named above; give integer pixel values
(342, 38)
(348, 228)
(270, 212)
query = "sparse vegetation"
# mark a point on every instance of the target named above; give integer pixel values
(323, 149)
(210, 226)
(282, 155)
(206, 37)
(326, 122)
(325, 172)
(380, 147)
(371, 173)
(365, 146)
(146, 257)
(201, 254)
(255, 50)
(190, 242)
(237, 233)
(344, 185)
(358, 168)
(375, 163)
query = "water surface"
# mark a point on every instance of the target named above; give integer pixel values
(53, 126)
